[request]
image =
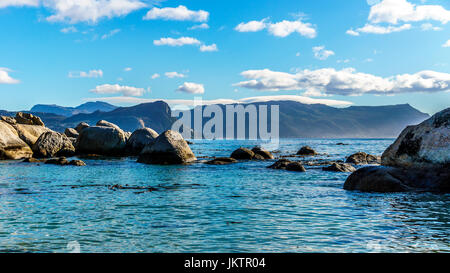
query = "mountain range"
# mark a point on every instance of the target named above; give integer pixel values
(86, 108)
(296, 120)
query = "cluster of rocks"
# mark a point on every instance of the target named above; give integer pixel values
(418, 160)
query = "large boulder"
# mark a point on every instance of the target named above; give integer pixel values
(263, 153)
(70, 132)
(105, 123)
(51, 144)
(243, 154)
(29, 119)
(139, 139)
(101, 140)
(9, 120)
(30, 133)
(392, 179)
(81, 126)
(306, 151)
(11, 146)
(417, 161)
(423, 145)
(362, 158)
(168, 148)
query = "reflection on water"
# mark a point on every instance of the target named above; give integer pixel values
(243, 207)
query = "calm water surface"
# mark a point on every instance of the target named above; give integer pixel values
(243, 207)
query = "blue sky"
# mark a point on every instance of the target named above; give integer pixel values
(363, 52)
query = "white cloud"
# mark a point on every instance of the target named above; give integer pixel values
(127, 69)
(286, 28)
(110, 34)
(201, 26)
(429, 26)
(191, 88)
(118, 89)
(90, 74)
(280, 29)
(252, 26)
(208, 48)
(180, 13)
(301, 99)
(176, 42)
(70, 29)
(447, 44)
(321, 53)
(5, 78)
(346, 82)
(91, 11)
(155, 76)
(18, 3)
(394, 11)
(172, 75)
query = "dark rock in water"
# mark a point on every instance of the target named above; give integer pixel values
(243, 154)
(392, 179)
(221, 161)
(342, 144)
(29, 119)
(168, 148)
(362, 158)
(339, 167)
(77, 163)
(70, 132)
(52, 144)
(33, 160)
(423, 145)
(189, 142)
(306, 151)
(11, 145)
(295, 167)
(102, 140)
(62, 161)
(81, 126)
(139, 139)
(320, 162)
(284, 164)
(265, 154)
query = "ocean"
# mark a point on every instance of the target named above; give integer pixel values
(118, 205)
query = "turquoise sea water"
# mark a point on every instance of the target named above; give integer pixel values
(243, 207)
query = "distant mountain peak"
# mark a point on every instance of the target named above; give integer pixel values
(85, 108)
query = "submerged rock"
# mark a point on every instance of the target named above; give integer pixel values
(168, 148)
(62, 161)
(101, 140)
(243, 154)
(221, 161)
(285, 164)
(70, 132)
(423, 145)
(29, 119)
(79, 163)
(306, 151)
(362, 158)
(139, 139)
(11, 145)
(51, 144)
(339, 167)
(265, 154)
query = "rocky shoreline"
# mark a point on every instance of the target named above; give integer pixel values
(417, 161)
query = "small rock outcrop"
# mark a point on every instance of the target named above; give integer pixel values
(243, 154)
(288, 165)
(102, 141)
(169, 148)
(339, 167)
(419, 160)
(362, 158)
(263, 153)
(70, 132)
(51, 144)
(139, 139)
(28, 119)
(81, 126)
(306, 151)
(221, 161)
(11, 145)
